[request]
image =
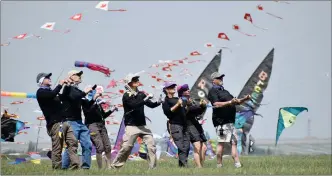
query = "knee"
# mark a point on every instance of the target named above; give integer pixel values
(100, 149)
(204, 148)
(152, 148)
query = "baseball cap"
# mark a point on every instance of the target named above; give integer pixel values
(43, 75)
(130, 78)
(169, 84)
(183, 88)
(75, 72)
(217, 75)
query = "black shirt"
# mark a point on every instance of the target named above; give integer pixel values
(176, 117)
(194, 111)
(134, 108)
(72, 99)
(93, 112)
(223, 115)
(50, 104)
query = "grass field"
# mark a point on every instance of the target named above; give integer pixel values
(295, 165)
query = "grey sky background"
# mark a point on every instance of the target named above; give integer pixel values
(150, 31)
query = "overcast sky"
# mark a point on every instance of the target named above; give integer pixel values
(150, 31)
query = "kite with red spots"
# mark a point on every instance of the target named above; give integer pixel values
(248, 17)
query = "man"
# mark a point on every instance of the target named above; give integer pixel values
(59, 130)
(72, 100)
(196, 132)
(134, 118)
(223, 117)
(176, 113)
(95, 120)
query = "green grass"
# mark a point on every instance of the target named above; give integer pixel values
(267, 165)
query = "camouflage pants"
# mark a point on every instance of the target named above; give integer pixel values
(68, 137)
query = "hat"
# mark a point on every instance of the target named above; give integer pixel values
(75, 72)
(169, 84)
(43, 75)
(183, 88)
(130, 78)
(217, 75)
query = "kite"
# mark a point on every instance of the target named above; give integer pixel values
(77, 17)
(195, 53)
(186, 72)
(5, 44)
(210, 45)
(202, 85)
(94, 67)
(50, 26)
(112, 84)
(103, 5)
(255, 86)
(223, 36)
(260, 8)
(18, 94)
(248, 17)
(287, 117)
(10, 127)
(16, 102)
(237, 28)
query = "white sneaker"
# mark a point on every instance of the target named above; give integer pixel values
(238, 165)
(219, 165)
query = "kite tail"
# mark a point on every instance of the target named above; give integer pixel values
(65, 32)
(250, 35)
(259, 27)
(274, 15)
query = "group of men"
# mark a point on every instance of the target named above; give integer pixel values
(63, 116)
(64, 122)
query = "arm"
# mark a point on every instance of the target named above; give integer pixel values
(49, 94)
(166, 109)
(72, 94)
(151, 104)
(132, 102)
(106, 114)
(214, 99)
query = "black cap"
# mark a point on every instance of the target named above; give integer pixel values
(40, 75)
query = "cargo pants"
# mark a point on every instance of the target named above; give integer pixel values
(129, 138)
(181, 139)
(60, 133)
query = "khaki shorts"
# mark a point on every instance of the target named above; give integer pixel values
(228, 133)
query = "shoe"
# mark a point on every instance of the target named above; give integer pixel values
(219, 165)
(238, 165)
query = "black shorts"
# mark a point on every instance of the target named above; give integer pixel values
(195, 135)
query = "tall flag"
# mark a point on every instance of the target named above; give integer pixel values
(287, 117)
(203, 84)
(255, 86)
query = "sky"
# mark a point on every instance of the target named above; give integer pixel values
(131, 41)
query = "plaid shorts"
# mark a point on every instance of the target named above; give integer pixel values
(226, 133)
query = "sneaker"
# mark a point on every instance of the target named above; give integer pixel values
(238, 165)
(219, 165)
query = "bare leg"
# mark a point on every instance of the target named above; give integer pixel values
(197, 152)
(99, 158)
(203, 152)
(220, 150)
(108, 159)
